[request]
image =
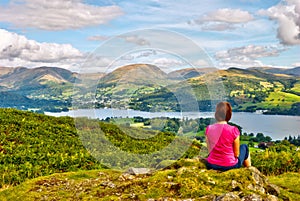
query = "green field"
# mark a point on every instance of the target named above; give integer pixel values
(279, 98)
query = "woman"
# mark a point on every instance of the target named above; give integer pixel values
(223, 142)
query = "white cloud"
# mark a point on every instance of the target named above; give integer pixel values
(95, 62)
(240, 62)
(56, 14)
(16, 50)
(246, 56)
(127, 57)
(218, 26)
(223, 19)
(202, 63)
(146, 53)
(141, 56)
(168, 64)
(251, 51)
(287, 14)
(135, 40)
(228, 15)
(98, 38)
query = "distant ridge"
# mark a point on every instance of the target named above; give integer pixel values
(5, 70)
(20, 77)
(288, 71)
(189, 73)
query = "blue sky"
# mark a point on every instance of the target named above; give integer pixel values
(65, 33)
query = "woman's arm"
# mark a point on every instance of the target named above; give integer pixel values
(207, 144)
(236, 147)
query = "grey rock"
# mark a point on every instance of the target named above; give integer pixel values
(138, 171)
(236, 186)
(256, 188)
(252, 197)
(258, 177)
(271, 198)
(272, 189)
(228, 197)
(207, 197)
(125, 177)
(108, 184)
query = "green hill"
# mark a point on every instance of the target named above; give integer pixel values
(24, 78)
(118, 88)
(247, 90)
(33, 145)
(16, 100)
(43, 158)
(44, 88)
(252, 89)
(136, 74)
(148, 88)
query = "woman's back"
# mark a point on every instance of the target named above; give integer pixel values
(220, 138)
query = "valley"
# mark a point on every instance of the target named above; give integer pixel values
(147, 88)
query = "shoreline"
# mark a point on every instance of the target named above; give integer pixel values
(275, 126)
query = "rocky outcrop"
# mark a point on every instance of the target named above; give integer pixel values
(261, 189)
(243, 184)
(185, 180)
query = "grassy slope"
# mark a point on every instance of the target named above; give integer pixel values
(289, 183)
(33, 145)
(244, 85)
(296, 87)
(285, 100)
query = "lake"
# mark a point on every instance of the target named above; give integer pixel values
(275, 126)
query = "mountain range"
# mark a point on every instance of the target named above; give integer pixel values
(146, 87)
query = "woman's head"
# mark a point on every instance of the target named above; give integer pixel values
(223, 111)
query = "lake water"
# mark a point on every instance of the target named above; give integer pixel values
(275, 126)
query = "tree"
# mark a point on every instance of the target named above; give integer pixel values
(268, 139)
(260, 137)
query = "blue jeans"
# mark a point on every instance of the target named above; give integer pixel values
(244, 154)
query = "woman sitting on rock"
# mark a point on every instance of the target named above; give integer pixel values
(223, 142)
